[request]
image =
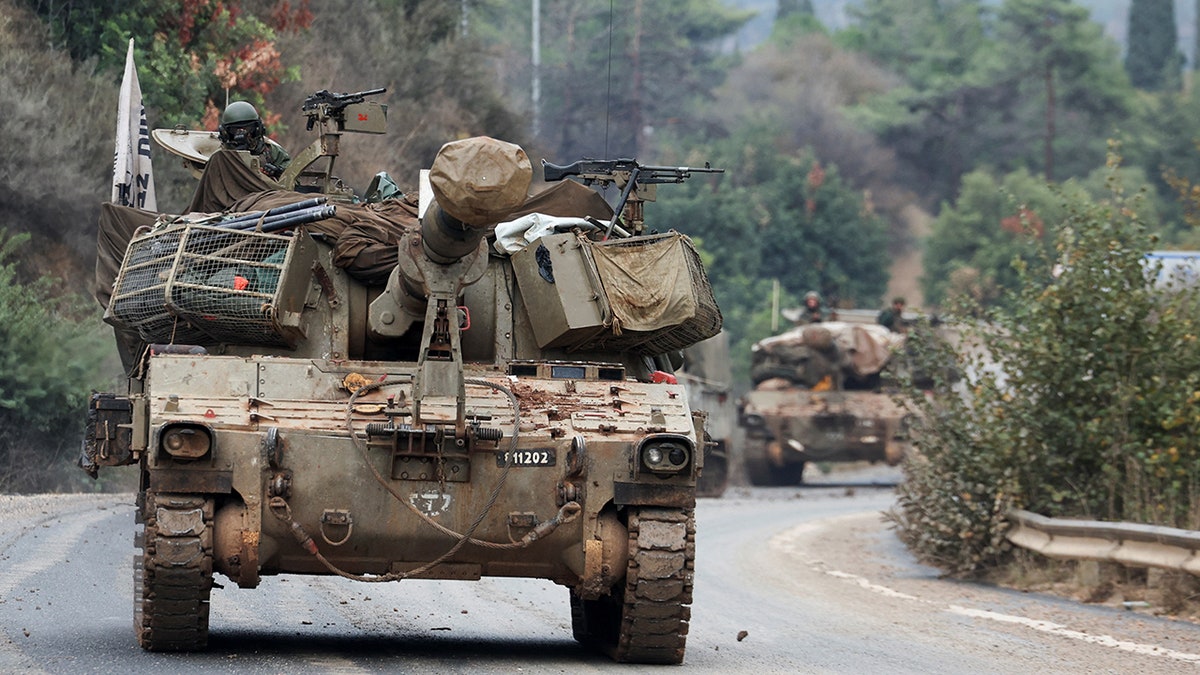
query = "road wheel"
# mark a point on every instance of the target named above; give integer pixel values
(172, 576)
(645, 618)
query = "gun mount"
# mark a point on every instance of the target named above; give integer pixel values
(475, 181)
(334, 114)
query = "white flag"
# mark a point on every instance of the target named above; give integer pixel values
(133, 178)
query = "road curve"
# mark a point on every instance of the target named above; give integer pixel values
(787, 580)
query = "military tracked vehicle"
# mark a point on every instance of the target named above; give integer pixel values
(708, 376)
(406, 389)
(821, 394)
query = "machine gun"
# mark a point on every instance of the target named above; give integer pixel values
(636, 181)
(335, 114)
(326, 104)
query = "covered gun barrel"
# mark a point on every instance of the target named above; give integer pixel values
(476, 182)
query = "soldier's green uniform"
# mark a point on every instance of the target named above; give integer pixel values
(242, 129)
(892, 317)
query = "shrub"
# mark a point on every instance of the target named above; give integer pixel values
(49, 361)
(1081, 398)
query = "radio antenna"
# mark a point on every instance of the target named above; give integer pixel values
(608, 95)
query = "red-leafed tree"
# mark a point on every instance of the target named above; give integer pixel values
(192, 54)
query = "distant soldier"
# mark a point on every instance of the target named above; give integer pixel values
(892, 317)
(814, 311)
(241, 128)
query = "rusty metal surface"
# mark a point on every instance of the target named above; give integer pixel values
(804, 425)
(683, 496)
(794, 401)
(320, 469)
(249, 393)
(206, 480)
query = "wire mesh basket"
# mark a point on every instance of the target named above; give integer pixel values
(196, 284)
(657, 292)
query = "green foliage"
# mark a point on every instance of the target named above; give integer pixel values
(48, 363)
(1163, 137)
(794, 18)
(950, 508)
(776, 215)
(975, 239)
(613, 77)
(999, 219)
(196, 51)
(1034, 84)
(1152, 59)
(929, 42)
(1082, 397)
(1067, 76)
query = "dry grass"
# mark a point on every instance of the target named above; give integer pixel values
(1169, 594)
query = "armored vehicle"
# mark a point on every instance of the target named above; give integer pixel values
(821, 393)
(473, 383)
(707, 374)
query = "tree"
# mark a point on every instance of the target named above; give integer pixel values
(995, 220)
(614, 81)
(776, 214)
(1085, 406)
(442, 83)
(788, 8)
(198, 51)
(1054, 49)
(1152, 60)
(49, 358)
(793, 18)
(991, 88)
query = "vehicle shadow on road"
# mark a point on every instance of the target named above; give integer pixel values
(472, 652)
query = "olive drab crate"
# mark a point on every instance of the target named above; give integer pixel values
(648, 295)
(196, 284)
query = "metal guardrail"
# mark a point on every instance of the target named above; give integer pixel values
(1129, 544)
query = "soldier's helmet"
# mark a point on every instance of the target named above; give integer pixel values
(241, 128)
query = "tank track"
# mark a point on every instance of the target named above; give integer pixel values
(762, 471)
(646, 618)
(173, 574)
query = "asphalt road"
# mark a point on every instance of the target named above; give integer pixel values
(810, 579)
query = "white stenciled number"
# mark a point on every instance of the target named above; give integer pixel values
(531, 458)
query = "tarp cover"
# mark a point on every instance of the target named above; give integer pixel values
(649, 286)
(365, 235)
(864, 349)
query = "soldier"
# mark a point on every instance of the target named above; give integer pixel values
(814, 311)
(241, 128)
(892, 317)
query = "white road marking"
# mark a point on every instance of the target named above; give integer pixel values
(1057, 629)
(865, 583)
(787, 542)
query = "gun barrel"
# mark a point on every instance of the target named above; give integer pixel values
(476, 182)
(682, 169)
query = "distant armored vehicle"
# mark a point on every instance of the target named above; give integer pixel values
(472, 384)
(820, 395)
